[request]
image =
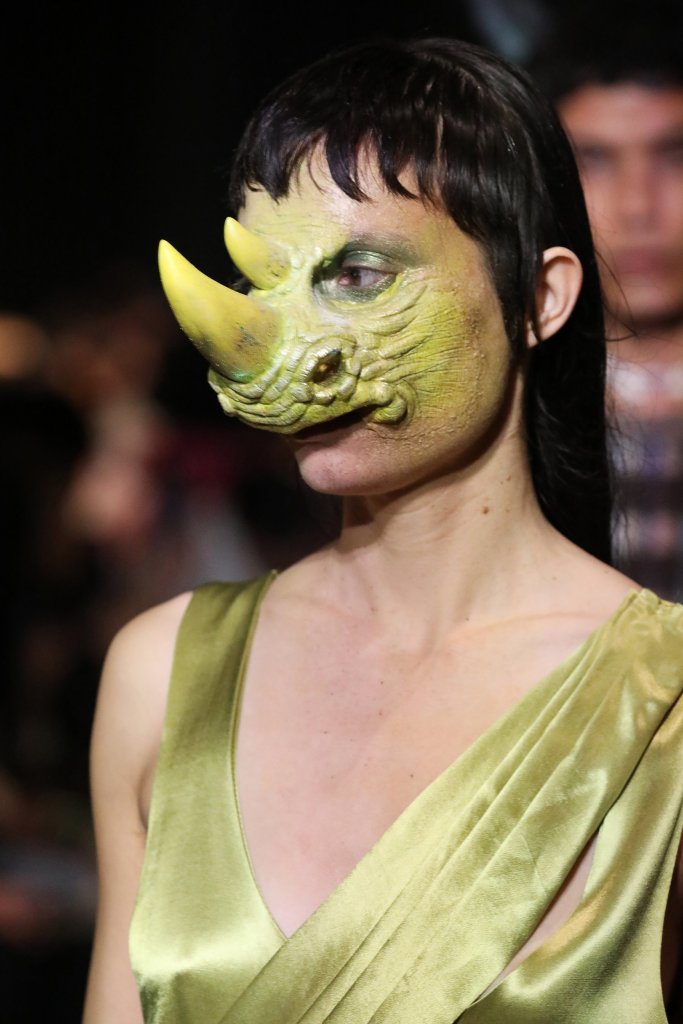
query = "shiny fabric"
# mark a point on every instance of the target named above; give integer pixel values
(432, 915)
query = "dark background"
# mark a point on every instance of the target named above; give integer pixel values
(119, 121)
(117, 127)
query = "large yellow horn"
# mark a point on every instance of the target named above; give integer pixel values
(230, 330)
(264, 263)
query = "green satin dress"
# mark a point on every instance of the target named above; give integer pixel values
(431, 916)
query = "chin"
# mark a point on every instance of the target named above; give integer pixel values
(371, 463)
(365, 459)
(330, 471)
(356, 463)
(648, 305)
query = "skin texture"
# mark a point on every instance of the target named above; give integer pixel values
(629, 145)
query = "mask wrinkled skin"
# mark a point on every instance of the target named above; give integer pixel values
(316, 346)
(325, 366)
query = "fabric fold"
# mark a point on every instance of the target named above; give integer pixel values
(435, 911)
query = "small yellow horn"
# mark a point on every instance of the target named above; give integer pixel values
(264, 263)
(230, 330)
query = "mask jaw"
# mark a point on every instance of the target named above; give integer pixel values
(264, 263)
(233, 333)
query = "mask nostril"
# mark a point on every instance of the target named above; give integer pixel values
(328, 365)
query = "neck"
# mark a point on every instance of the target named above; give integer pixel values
(470, 545)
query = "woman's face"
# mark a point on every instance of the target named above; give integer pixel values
(410, 290)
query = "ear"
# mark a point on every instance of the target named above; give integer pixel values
(559, 284)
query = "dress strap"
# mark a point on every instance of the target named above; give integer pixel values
(209, 660)
(200, 927)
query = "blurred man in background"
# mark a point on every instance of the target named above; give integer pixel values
(621, 100)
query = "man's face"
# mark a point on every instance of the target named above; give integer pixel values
(629, 145)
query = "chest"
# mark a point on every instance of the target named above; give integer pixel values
(334, 740)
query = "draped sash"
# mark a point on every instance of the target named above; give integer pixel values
(436, 910)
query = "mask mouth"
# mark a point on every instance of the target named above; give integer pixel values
(347, 419)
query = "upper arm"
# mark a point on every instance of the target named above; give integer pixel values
(125, 743)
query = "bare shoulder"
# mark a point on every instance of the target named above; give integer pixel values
(586, 589)
(596, 581)
(125, 743)
(150, 634)
(134, 688)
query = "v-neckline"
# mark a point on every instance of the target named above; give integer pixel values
(629, 599)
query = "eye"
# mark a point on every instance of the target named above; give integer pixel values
(362, 277)
(356, 277)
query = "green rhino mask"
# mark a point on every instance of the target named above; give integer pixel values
(282, 363)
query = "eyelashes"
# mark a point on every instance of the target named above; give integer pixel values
(356, 276)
